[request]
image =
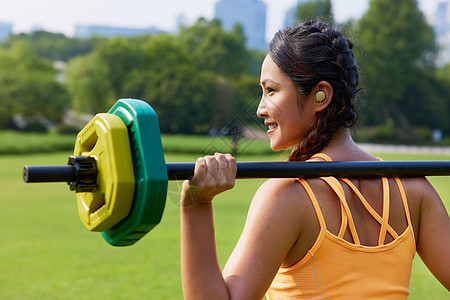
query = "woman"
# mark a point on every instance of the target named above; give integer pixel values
(322, 238)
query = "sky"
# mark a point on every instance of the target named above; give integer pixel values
(62, 15)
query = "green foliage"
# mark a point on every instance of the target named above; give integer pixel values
(188, 93)
(256, 60)
(66, 129)
(172, 83)
(120, 55)
(206, 145)
(24, 143)
(54, 46)
(386, 133)
(204, 77)
(28, 86)
(214, 50)
(426, 102)
(315, 9)
(35, 126)
(192, 75)
(236, 69)
(88, 84)
(439, 93)
(396, 40)
(247, 94)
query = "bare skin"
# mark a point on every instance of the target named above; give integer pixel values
(293, 228)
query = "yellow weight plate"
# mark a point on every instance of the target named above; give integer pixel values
(105, 138)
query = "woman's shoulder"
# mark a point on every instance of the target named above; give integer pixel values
(285, 204)
(420, 193)
(282, 195)
(287, 187)
(418, 190)
(418, 185)
(275, 189)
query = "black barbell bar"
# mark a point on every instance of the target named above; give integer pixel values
(63, 173)
(182, 171)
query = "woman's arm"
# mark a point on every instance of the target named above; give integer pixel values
(273, 225)
(433, 241)
(276, 222)
(200, 271)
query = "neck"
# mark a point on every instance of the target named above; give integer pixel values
(342, 147)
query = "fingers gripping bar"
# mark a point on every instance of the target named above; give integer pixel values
(120, 177)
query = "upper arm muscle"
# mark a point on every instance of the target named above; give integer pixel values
(272, 227)
(433, 242)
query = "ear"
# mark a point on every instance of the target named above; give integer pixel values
(322, 99)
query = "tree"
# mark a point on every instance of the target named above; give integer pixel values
(235, 68)
(54, 46)
(428, 101)
(315, 9)
(255, 62)
(247, 94)
(28, 86)
(215, 50)
(395, 40)
(167, 77)
(189, 79)
(88, 84)
(120, 55)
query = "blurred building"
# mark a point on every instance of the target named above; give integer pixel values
(441, 25)
(86, 31)
(251, 14)
(289, 18)
(5, 31)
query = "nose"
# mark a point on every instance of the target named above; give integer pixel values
(261, 111)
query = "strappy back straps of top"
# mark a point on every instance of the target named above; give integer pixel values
(346, 216)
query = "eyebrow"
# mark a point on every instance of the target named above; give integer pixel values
(263, 82)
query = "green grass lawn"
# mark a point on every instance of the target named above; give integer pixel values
(45, 252)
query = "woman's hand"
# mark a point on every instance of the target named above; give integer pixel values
(212, 176)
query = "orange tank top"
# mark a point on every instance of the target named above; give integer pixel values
(337, 269)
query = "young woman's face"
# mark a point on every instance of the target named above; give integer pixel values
(285, 111)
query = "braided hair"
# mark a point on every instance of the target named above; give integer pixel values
(307, 54)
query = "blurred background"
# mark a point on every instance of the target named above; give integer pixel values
(197, 62)
(61, 62)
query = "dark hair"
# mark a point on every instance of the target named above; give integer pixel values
(307, 54)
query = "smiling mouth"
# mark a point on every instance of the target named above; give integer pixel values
(272, 127)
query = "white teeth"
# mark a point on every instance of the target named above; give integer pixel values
(272, 126)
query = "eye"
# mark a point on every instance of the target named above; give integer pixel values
(269, 90)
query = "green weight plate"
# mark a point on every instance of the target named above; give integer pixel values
(150, 173)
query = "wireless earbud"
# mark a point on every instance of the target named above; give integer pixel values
(320, 97)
